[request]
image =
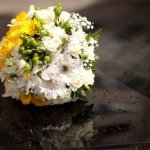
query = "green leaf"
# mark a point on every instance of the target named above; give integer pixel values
(88, 37)
(95, 35)
(66, 26)
(87, 88)
(9, 63)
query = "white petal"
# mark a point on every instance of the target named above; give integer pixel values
(31, 11)
(28, 86)
(51, 44)
(64, 16)
(45, 76)
(47, 15)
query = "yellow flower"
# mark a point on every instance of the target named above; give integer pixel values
(25, 99)
(21, 24)
(21, 17)
(2, 64)
(32, 99)
(26, 75)
(38, 100)
(5, 50)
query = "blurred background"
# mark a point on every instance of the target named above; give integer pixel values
(122, 88)
(19, 5)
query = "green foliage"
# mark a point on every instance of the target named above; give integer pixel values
(9, 63)
(29, 51)
(27, 67)
(81, 93)
(47, 58)
(39, 26)
(66, 26)
(95, 35)
(58, 9)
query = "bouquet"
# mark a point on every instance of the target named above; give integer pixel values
(47, 57)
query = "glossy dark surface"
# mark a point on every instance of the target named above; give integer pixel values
(117, 116)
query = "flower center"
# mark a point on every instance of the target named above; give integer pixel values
(65, 68)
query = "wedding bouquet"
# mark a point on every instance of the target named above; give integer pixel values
(47, 57)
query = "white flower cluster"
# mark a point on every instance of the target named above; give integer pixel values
(69, 74)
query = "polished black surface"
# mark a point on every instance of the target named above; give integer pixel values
(117, 116)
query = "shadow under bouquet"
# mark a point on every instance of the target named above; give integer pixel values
(47, 57)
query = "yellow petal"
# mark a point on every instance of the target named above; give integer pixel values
(20, 17)
(25, 99)
(26, 75)
(38, 101)
(2, 64)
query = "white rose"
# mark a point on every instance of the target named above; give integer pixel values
(76, 83)
(47, 15)
(87, 77)
(51, 44)
(64, 16)
(56, 31)
(64, 95)
(80, 34)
